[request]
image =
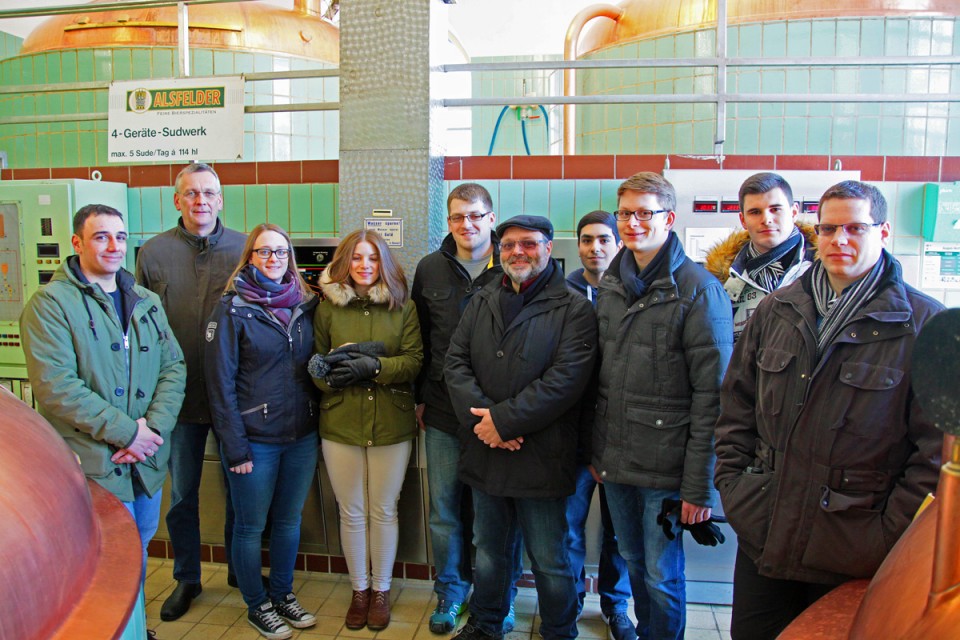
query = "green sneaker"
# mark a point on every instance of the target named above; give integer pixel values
(444, 617)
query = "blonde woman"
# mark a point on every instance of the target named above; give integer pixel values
(367, 421)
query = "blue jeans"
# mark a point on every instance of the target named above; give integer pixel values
(498, 523)
(146, 513)
(451, 528)
(614, 582)
(279, 483)
(187, 446)
(654, 562)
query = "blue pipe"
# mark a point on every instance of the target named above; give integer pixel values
(496, 128)
(523, 130)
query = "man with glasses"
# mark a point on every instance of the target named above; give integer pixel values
(771, 250)
(444, 282)
(823, 455)
(665, 337)
(188, 267)
(516, 368)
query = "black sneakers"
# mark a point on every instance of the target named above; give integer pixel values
(290, 610)
(470, 632)
(264, 619)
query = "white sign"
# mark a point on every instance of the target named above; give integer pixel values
(699, 240)
(940, 268)
(176, 119)
(390, 229)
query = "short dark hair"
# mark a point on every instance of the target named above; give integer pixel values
(194, 167)
(470, 192)
(599, 217)
(856, 190)
(654, 183)
(760, 183)
(89, 210)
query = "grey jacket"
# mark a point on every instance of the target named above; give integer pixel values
(189, 274)
(663, 358)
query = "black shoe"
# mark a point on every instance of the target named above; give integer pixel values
(178, 603)
(264, 619)
(470, 632)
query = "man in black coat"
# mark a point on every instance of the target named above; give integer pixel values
(517, 365)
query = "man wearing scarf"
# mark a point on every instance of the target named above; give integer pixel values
(666, 334)
(518, 363)
(771, 250)
(823, 456)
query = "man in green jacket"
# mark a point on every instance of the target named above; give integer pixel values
(107, 371)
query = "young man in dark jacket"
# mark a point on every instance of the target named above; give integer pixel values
(517, 365)
(771, 250)
(188, 267)
(597, 243)
(665, 338)
(442, 286)
(823, 454)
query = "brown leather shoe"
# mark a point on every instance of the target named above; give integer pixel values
(357, 613)
(379, 614)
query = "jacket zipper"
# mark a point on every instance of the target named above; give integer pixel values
(259, 407)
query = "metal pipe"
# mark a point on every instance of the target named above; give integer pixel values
(685, 98)
(40, 12)
(183, 39)
(946, 568)
(86, 117)
(570, 53)
(721, 131)
(645, 63)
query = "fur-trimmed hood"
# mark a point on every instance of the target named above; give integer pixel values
(342, 294)
(721, 255)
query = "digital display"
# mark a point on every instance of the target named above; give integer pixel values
(48, 250)
(705, 206)
(810, 206)
(730, 206)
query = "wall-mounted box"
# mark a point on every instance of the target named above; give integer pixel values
(941, 212)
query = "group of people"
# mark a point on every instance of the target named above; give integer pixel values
(780, 378)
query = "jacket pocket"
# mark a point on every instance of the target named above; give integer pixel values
(773, 365)
(661, 439)
(846, 535)
(260, 408)
(403, 400)
(868, 391)
(331, 399)
(747, 500)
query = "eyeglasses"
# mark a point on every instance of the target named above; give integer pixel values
(474, 217)
(208, 194)
(264, 253)
(851, 229)
(526, 245)
(640, 214)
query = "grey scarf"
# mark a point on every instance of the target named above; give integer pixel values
(835, 310)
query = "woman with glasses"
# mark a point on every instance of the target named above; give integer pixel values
(368, 340)
(259, 340)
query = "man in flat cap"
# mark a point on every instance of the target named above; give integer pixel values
(517, 365)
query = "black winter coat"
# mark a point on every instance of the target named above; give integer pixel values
(441, 290)
(257, 376)
(531, 375)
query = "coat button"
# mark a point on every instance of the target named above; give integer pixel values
(876, 333)
(848, 376)
(370, 443)
(144, 348)
(853, 334)
(369, 397)
(141, 394)
(115, 346)
(499, 354)
(118, 391)
(366, 313)
(640, 305)
(603, 474)
(659, 422)
(888, 381)
(118, 472)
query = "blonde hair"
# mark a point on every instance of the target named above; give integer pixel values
(252, 238)
(390, 270)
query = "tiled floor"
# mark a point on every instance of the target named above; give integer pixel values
(219, 612)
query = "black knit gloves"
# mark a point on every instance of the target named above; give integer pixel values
(706, 533)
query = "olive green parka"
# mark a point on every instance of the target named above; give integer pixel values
(92, 381)
(379, 412)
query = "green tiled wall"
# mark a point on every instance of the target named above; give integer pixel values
(541, 139)
(9, 45)
(848, 128)
(267, 137)
(304, 210)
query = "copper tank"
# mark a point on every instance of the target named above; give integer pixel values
(247, 26)
(70, 553)
(646, 19)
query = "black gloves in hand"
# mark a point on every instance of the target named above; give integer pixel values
(353, 371)
(706, 533)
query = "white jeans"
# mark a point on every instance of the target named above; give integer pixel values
(367, 483)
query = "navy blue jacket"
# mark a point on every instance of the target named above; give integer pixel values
(256, 369)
